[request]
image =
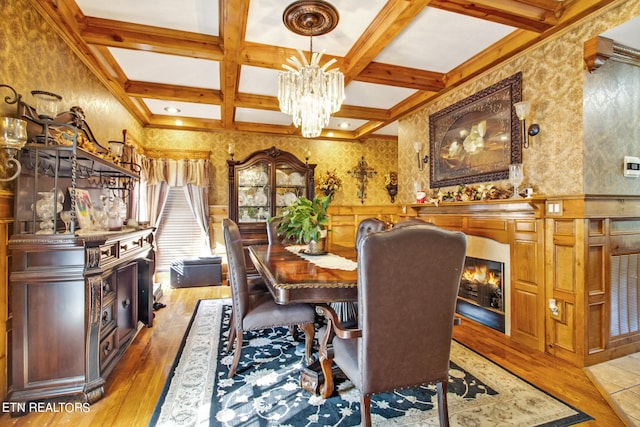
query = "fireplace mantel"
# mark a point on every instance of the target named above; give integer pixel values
(520, 224)
(576, 250)
(521, 208)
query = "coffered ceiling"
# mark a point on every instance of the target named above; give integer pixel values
(217, 61)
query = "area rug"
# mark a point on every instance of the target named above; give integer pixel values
(265, 390)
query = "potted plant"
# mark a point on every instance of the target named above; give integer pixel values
(305, 221)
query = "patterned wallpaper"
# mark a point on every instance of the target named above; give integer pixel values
(380, 153)
(555, 81)
(33, 57)
(611, 128)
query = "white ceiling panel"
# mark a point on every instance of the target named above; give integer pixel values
(187, 109)
(341, 123)
(439, 41)
(253, 115)
(375, 95)
(197, 16)
(258, 80)
(265, 25)
(389, 130)
(169, 69)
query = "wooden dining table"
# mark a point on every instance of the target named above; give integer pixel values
(294, 279)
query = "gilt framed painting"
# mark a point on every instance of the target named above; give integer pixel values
(477, 138)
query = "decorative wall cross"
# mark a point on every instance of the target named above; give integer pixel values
(362, 172)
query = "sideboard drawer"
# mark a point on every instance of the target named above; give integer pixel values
(108, 253)
(107, 349)
(107, 319)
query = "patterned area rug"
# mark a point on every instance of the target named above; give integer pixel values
(265, 390)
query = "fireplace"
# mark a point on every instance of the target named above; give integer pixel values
(483, 293)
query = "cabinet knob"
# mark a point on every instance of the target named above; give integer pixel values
(107, 348)
(124, 247)
(126, 303)
(105, 317)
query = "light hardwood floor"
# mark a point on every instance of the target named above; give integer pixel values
(135, 384)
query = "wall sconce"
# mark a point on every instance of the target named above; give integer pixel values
(523, 108)
(231, 151)
(46, 104)
(13, 134)
(417, 147)
(116, 148)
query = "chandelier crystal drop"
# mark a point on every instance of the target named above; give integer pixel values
(310, 93)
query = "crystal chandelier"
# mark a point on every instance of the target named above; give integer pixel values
(308, 92)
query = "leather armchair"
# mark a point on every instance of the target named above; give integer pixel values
(258, 310)
(410, 221)
(404, 330)
(367, 226)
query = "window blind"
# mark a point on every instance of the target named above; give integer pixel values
(178, 235)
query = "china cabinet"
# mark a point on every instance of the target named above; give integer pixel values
(79, 291)
(261, 185)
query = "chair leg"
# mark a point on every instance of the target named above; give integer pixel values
(232, 334)
(365, 411)
(294, 332)
(309, 334)
(443, 409)
(236, 356)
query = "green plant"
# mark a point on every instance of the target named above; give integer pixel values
(304, 220)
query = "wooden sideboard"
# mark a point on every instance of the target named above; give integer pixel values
(77, 302)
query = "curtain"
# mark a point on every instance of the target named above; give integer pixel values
(193, 175)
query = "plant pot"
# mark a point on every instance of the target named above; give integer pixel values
(316, 248)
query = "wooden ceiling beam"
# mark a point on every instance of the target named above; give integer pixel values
(111, 33)
(532, 15)
(173, 92)
(233, 23)
(393, 75)
(392, 19)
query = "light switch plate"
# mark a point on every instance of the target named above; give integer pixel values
(631, 167)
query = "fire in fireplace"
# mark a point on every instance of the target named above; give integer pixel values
(481, 292)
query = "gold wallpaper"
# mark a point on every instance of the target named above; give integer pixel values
(380, 153)
(558, 162)
(33, 57)
(611, 128)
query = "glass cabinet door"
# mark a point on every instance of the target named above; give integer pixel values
(290, 184)
(254, 193)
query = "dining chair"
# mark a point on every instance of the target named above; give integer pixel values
(410, 221)
(256, 311)
(367, 226)
(404, 331)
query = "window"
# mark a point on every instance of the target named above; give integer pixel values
(179, 235)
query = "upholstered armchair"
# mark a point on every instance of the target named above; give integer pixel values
(408, 280)
(258, 310)
(410, 221)
(367, 226)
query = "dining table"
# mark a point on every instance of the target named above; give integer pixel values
(328, 280)
(293, 276)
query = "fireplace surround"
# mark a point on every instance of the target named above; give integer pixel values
(484, 287)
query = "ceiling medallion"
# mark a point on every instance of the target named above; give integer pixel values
(310, 17)
(307, 91)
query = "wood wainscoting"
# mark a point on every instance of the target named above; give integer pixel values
(583, 252)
